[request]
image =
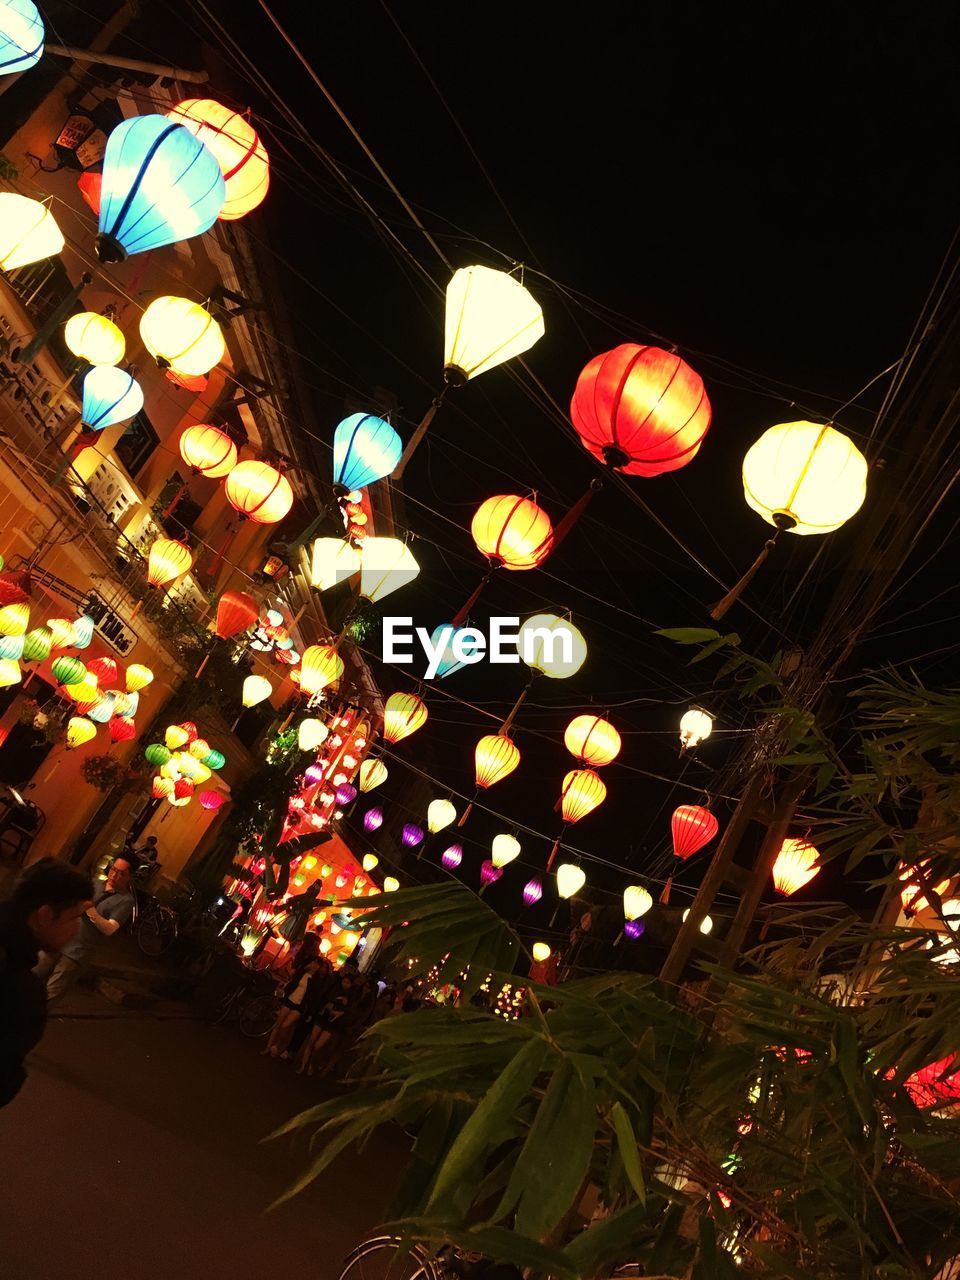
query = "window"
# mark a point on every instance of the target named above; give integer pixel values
(136, 444)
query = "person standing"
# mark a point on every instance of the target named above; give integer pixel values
(44, 911)
(111, 909)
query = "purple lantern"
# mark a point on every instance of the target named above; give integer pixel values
(489, 873)
(452, 857)
(314, 774)
(634, 928)
(373, 819)
(346, 794)
(411, 835)
(532, 892)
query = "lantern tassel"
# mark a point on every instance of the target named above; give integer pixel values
(414, 441)
(464, 612)
(735, 592)
(516, 706)
(217, 562)
(665, 896)
(553, 851)
(171, 505)
(136, 609)
(468, 810)
(571, 518)
(199, 671)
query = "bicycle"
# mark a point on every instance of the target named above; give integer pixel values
(156, 926)
(384, 1258)
(253, 1009)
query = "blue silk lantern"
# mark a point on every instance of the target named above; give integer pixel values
(365, 448)
(110, 395)
(11, 647)
(21, 36)
(83, 628)
(160, 185)
(103, 711)
(448, 662)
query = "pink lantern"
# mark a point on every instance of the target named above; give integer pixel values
(210, 799)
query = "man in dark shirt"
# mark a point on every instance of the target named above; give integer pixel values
(44, 911)
(110, 910)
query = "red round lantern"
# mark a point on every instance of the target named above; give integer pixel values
(236, 611)
(692, 827)
(512, 532)
(183, 788)
(106, 671)
(12, 586)
(191, 730)
(208, 450)
(210, 799)
(259, 492)
(122, 729)
(641, 410)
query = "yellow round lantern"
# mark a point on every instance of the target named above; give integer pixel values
(593, 740)
(182, 336)
(370, 860)
(570, 879)
(320, 666)
(490, 317)
(79, 731)
(494, 758)
(94, 338)
(504, 849)
(256, 689)
(10, 673)
(311, 734)
(552, 645)
(237, 147)
(540, 952)
(28, 231)
(176, 737)
(372, 774)
(512, 532)
(403, 714)
(208, 451)
(138, 677)
(696, 725)
(805, 477)
(636, 902)
(440, 813)
(167, 561)
(258, 492)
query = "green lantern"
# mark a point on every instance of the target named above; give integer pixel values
(37, 644)
(214, 759)
(68, 671)
(157, 754)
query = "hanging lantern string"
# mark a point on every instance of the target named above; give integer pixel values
(512, 713)
(735, 592)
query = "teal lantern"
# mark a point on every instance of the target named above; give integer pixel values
(130, 707)
(214, 759)
(160, 185)
(365, 448)
(103, 711)
(68, 670)
(21, 36)
(110, 395)
(82, 631)
(12, 647)
(157, 754)
(448, 662)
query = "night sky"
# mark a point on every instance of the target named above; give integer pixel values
(771, 188)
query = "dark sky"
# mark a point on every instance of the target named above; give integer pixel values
(770, 187)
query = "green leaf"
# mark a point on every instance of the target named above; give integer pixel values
(497, 1243)
(609, 1240)
(720, 643)
(688, 635)
(483, 1129)
(559, 1155)
(627, 1143)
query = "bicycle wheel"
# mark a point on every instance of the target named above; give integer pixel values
(257, 1013)
(156, 932)
(382, 1259)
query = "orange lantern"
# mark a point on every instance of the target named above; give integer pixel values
(592, 740)
(259, 492)
(161, 788)
(582, 792)
(512, 532)
(796, 865)
(912, 895)
(208, 451)
(168, 560)
(237, 148)
(692, 827)
(236, 611)
(495, 758)
(320, 666)
(404, 713)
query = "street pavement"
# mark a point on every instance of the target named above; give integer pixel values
(135, 1151)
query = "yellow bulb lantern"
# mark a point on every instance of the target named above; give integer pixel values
(706, 924)
(28, 231)
(440, 813)
(94, 338)
(14, 619)
(490, 317)
(570, 879)
(552, 645)
(258, 492)
(695, 727)
(403, 714)
(10, 673)
(256, 689)
(370, 860)
(636, 902)
(182, 336)
(311, 734)
(796, 864)
(582, 791)
(593, 740)
(62, 633)
(320, 666)
(79, 731)
(372, 774)
(494, 758)
(167, 561)
(503, 850)
(804, 477)
(333, 561)
(386, 565)
(175, 737)
(541, 952)
(138, 677)
(391, 884)
(237, 147)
